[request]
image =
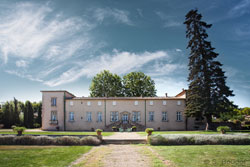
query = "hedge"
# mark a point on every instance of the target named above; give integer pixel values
(199, 139)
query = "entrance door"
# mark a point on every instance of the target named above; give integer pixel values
(125, 118)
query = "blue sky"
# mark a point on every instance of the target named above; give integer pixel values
(61, 44)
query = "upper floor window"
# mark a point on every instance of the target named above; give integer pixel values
(71, 116)
(53, 115)
(151, 116)
(136, 103)
(114, 116)
(99, 103)
(89, 103)
(179, 116)
(164, 102)
(164, 116)
(136, 116)
(89, 116)
(99, 117)
(151, 102)
(71, 103)
(114, 103)
(178, 102)
(53, 101)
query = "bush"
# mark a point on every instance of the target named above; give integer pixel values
(133, 127)
(199, 139)
(67, 140)
(16, 129)
(7, 140)
(13, 127)
(90, 140)
(223, 129)
(45, 140)
(149, 130)
(98, 130)
(37, 125)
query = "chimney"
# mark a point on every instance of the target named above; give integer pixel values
(166, 94)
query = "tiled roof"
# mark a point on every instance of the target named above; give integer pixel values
(128, 98)
(58, 91)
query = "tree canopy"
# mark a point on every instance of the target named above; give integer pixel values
(106, 84)
(208, 93)
(134, 84)
(138, 84)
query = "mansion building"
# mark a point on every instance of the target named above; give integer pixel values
(62, 110)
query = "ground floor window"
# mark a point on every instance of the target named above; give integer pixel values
(164, 116)
(179, 116)
(151, 116)
(114, 116)
(136, 116)
(89, 116)
(53, 115)
(71, 116)
(99, 117)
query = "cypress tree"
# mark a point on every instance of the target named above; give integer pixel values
(16, 118)
(207, 94)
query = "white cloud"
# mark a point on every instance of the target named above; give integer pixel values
(169, 21)
(240, 9)
(178, 50)
(120, 16)
(27, 29)
(117, 62)
(26, 76)
(21, 63)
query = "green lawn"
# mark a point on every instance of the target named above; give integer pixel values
(58, 133)
(186, 132)
(57, 156)
(199, 156)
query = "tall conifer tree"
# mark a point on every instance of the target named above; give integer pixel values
(207, 94)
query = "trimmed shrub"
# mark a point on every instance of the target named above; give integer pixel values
(25, 140)
(7, 140)
(216, 139)
(149, 130)
(45, 140)
(67, 140)
(90, 140)
(223, 129)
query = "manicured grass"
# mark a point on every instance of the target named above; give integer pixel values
(58, 133)
(187, 132)
(196, 156)
(12, 156)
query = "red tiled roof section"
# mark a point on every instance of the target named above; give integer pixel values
(181, 93)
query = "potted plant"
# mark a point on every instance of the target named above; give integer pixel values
(223, 129)
(149, 131)
(133, 128)
(99, 132)
(19, 130)
(114, 128)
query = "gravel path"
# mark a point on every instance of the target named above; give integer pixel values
(115, 156)
(125, 135)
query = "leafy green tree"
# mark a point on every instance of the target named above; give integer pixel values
(106, 84)
(38, 110)
(138, 84)
(207, 94)
(245, 111)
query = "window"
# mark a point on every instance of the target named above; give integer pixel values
(178, 102)
(136, 116)
(99, 103)
(151, 103)
(99, 117)
(114, 103)
(53, 101)
(136, 103)
(53, 115)
(164, 102)
(114, 116)
(164, 116)
(88, 103)
(89, 116)
(151, 116)
(71, 103)
(71, 116)
(179, 116)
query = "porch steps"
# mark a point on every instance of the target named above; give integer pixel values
(124, 141)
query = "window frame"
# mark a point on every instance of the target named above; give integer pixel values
(151, 102)
(164, 115)
(53, 101)
(151, 116)
(99, 116)
(178, 116)
(70, 116)
(164, 102)
(89, 116)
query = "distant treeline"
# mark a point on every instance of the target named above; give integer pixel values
(17, 113)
